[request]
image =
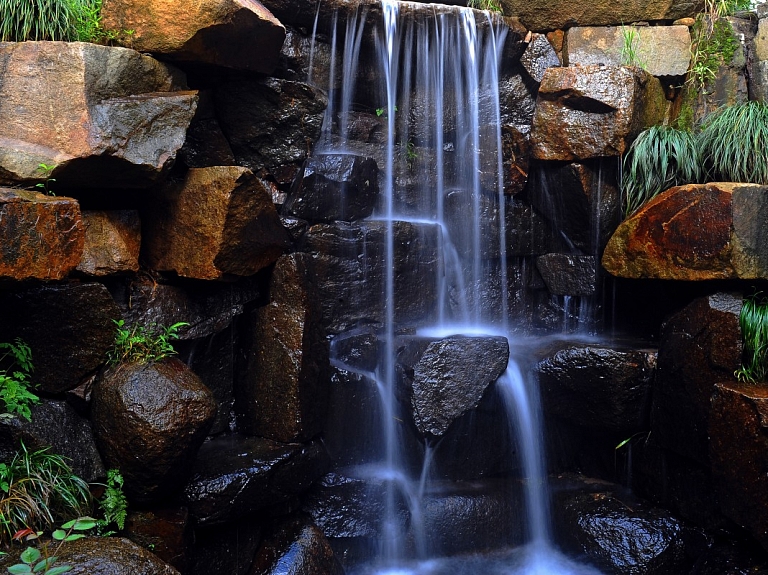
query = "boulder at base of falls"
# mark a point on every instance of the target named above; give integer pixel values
(112, 243)
(593, 111)
(296, 545)
(282, 391)
(149, 421)
(218, 222)
(566, 274)
(738, 450)
(103, 556)
(88, 116)
(42, 237)
(234, 476)
(238, 34)
(68, 326)
(451, 377)
(694, 232)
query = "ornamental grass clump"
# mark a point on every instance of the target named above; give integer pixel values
(753, 321)
(733, 143)
(63, 20)
(661, 157)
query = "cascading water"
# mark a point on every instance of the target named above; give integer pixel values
(442, 166)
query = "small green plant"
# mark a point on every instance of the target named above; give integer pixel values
(732, 143)
(46, 171)
(37, 488)
(753, 321)
(490, 5)
(660, 157)
(142, 344)
(712, 45)
(113, 504)
(383, 111)
(35, 561)
(15, 369)
(630, 55)
(410, 154)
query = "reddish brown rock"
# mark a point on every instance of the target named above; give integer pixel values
(738, 449)
(239, 34)
(112, 242)
(282, 392)
(88, 116)
(694, 232)
(167, 531)
(149, 421)
(593, 111)
(219, 221)
(41, 236)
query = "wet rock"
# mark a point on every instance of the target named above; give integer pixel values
(738, 443)
(593, 111)
(358, 349)
(731, 558)
(117, 115)
(334, 187)
(553, 14)
(219, 221)
(235, 476)
(69, 328)
(112, 242)
(271, 124)
(622, 537)
(660, 50)
(205, 145)
(208, 309)
(42, 237)
(352, 426)
(724, 221)
(104, 556)
(473, 517)
(56, 425)
(568, 275)
(226, 548)
(699, 347)
(296, 545)
(516, 154)
(580, 199)
(167, 532)
(299, 51)
(237, 34)
(349, 265)
(595, 386)
(451, 377)
(282, 390)
(149, 421)
(538, 56)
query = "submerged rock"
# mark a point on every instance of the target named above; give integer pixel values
(451, 377)
(149, 421)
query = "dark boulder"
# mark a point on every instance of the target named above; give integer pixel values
(228, 548)
(205, 144)
(538, 56)
(149, 421)
(566, 274)
(166, 531)
(234, 476)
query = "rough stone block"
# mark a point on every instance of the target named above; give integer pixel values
(112, 242)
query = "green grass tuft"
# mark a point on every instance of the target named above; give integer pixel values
(63, 20)
(661, 157)
(490, 5)
(753, 321)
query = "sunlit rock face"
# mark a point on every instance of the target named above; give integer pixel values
(89, 116)
(239, 34)
(694, 232)
(112, 242)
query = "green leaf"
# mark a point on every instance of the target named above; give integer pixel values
(59, 534)
(58, 569)
(30, 555)
(44, 564)
(19, 569)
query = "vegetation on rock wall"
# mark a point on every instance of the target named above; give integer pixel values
(491, 5)
(753, 321)
(15, 386)
(142, 344)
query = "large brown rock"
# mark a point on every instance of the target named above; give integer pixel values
(41, 236)
(149, 421)
(98, 115)
(282, 392)
(738, 449)
(593, 111)
(219, 221)
(239, 34)
(68, 327)
(271, 124)
(112, 242)
(553, 14)
(694, 232)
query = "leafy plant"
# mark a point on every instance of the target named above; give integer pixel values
(660, 157)
(35, 561)
(410, 154)
(490, 5)
(14, 379)
(46, 171)
(629, 51)
(38, 488)
(142, 344)
(712, 45)
(732, 143)
(113, 504)
(753, 321)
